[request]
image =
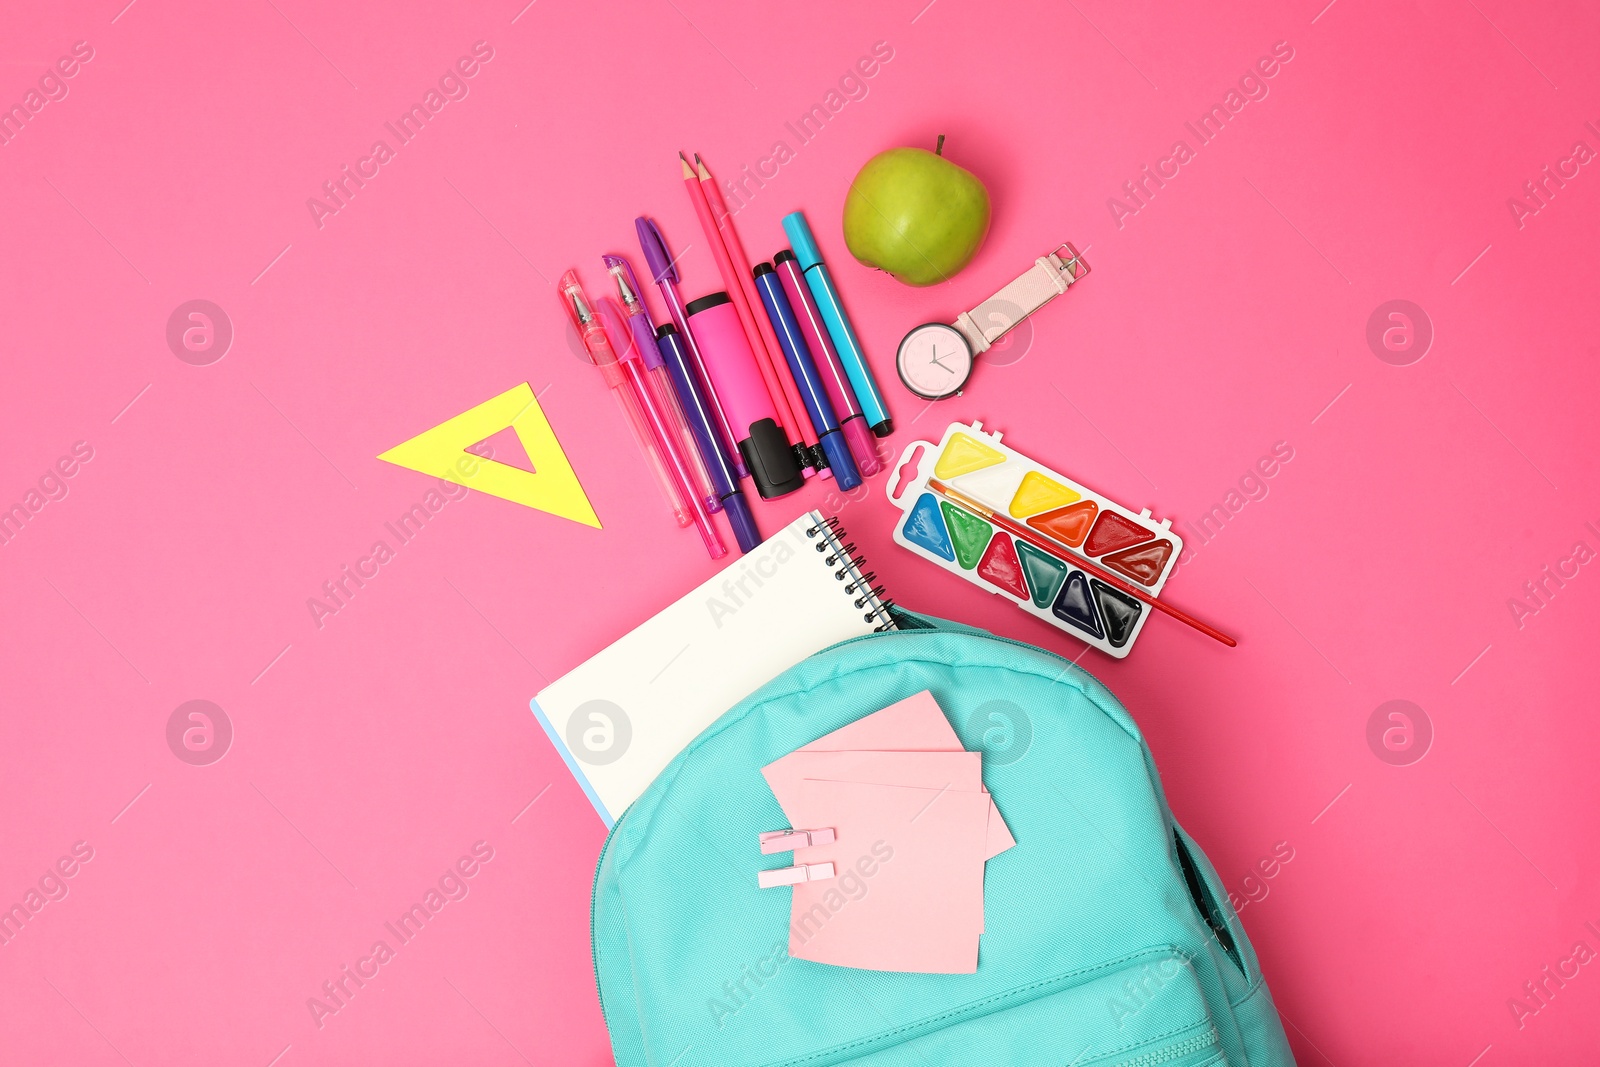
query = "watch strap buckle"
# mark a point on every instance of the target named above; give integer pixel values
(1069, 268)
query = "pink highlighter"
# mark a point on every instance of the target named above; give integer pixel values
(652, 431)
(737, 380)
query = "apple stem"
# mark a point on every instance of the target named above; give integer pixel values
(938, 149)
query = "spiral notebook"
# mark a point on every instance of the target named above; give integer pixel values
(620, 718)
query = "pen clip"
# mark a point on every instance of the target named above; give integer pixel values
(613, 318)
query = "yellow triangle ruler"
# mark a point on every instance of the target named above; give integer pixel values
(551, 486)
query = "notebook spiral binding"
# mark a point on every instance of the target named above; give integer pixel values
(862, 584)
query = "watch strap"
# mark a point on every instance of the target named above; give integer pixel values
(1048, 278)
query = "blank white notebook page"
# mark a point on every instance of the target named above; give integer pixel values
(620, 718)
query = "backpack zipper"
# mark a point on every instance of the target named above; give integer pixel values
(936, 630)
(1197, 1043)
(594, 893)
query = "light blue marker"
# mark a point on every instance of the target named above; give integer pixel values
(843, 335)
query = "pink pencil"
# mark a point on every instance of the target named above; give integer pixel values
(741, 261)
(730, 279)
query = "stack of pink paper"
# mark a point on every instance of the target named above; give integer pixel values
(913, 826)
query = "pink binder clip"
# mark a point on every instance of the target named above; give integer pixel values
(802, 872)
(789, 840)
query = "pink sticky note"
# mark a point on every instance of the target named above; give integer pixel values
(915, 724)
(959, 770)
(928, 770)
(909, 892)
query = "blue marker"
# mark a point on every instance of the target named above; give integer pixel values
(833, 444)
(820, 282)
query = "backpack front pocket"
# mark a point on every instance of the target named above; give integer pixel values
(1145, 1011)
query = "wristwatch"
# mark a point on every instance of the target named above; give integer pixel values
(935, 360)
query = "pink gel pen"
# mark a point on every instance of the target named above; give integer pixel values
(641, 334)
(604, 357)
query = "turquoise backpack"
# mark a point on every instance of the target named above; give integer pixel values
(1108, 938)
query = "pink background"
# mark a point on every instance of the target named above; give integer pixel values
(1229, 313)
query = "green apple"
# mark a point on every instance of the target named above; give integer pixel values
(915, 214)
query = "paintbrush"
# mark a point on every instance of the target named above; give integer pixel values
(1066, 555)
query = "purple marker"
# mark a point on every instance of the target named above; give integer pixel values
(664, 272)
(813, 327)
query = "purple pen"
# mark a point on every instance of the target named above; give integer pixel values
(664, 272)
(672, 378)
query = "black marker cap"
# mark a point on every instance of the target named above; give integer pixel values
(666, 329)
(771, 461)
(710, 300)
(762, 268)
(785, 256)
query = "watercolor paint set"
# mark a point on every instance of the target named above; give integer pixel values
(1054, 547)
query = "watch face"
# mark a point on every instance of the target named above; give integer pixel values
(934, 361)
